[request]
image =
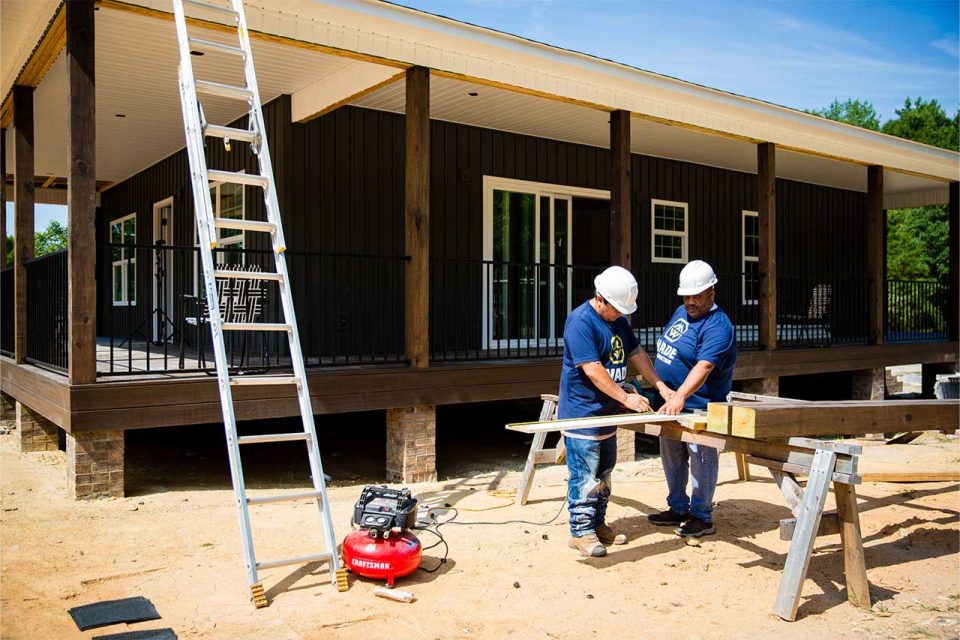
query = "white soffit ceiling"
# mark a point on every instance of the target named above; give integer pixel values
(22, 22)
(136, 75)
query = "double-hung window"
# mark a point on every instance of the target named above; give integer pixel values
(123, 231)
(668, 231)
(750, 247)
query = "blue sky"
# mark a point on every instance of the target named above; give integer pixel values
(797, 54)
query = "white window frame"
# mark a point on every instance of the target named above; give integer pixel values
(654, 232)
(125, 263)
(538, 190)
(240, 238)
(744, 258)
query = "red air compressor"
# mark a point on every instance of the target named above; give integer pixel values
(382, 547)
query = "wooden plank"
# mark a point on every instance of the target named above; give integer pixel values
(905, 438)
(620, 190)
(46, 393)
(801, 546)
(849, 448)
(876, 284)
(854, 565)
(23, 210)
(757, 397)
(417, 218)
(790, 489)
(829, 525)
(81, 194)
(743, 468)
(846, 468)
(624, 420)
(842, 418)
(536, 447)
(913, 476)
(767, 220)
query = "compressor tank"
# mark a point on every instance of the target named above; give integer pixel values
(388, 558)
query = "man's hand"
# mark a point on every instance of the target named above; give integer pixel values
(665, 392)
(673, 406)
(636, 402)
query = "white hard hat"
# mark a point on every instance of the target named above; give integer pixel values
(619, 288)
(696, 278)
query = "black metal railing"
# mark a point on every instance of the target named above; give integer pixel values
(7, 338)
(501, 310)
(349, 310)
(917, 310)
(47, 321)
(821, 311)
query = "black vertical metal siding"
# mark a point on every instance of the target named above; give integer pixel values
(341, 189)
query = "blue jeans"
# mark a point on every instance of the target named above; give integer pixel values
(588, 490)
(703, 464)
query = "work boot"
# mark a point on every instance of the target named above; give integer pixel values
(588, 545)
(695, 528)
(608, 536)
(667, 518)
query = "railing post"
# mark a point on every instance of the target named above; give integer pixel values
(767, 222)
(81, 194)
(23, 197)
(954, 261)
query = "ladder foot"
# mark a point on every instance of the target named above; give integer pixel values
(259, 597)
(342, 580)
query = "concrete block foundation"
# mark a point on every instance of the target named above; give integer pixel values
(95, 464)
(34, 432)
(412, 444)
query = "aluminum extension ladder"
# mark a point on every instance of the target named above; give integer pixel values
(197, 128)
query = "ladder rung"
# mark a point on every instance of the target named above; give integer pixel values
(285, 497)
(256, 381)
(248, 275)
(244, 225)
(211, 7)
(223, 90)
(274, 437)
(240, 135)
(255, 326)
(269, 564)
(215, 175)
(210, 45)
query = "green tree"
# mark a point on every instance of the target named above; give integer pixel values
(9, 250)
(925, 122)
(856, 112)
(53, 238)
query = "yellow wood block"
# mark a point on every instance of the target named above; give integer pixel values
(718, 417)
(743, 422)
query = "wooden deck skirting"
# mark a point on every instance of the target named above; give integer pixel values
(162, 401)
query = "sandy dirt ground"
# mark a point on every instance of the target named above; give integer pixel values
(180, 548)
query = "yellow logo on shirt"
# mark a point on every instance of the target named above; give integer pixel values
(617, 356)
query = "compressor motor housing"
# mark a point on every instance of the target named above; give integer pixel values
(382, 510)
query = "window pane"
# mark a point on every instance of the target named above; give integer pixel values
(751, 237)
(118, 283)
(130, 231)
(751, 281)
(668, 218)
(670, 247)
(116, 237)
(231, 206)
(514, 283)
(132, 281)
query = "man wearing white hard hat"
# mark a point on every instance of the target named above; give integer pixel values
(695, 355)
(597, 346)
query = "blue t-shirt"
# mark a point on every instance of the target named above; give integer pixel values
(685, 342)
(589, 338)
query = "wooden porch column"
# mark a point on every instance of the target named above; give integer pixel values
(417, 219)
(3, 196)
(767, 220)
(81, 194)
(22, 211)
(621, 240)
(875, 258)
(954, 262)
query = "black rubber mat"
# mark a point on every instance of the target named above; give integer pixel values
(148, 634)
(100, 614)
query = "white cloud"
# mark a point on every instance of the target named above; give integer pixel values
(949, 43)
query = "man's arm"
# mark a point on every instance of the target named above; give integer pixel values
(602, 380)
(694, 380)
(641, 361)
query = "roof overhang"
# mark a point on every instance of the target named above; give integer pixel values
(336, 52)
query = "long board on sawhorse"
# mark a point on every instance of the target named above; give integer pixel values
(823, 462)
